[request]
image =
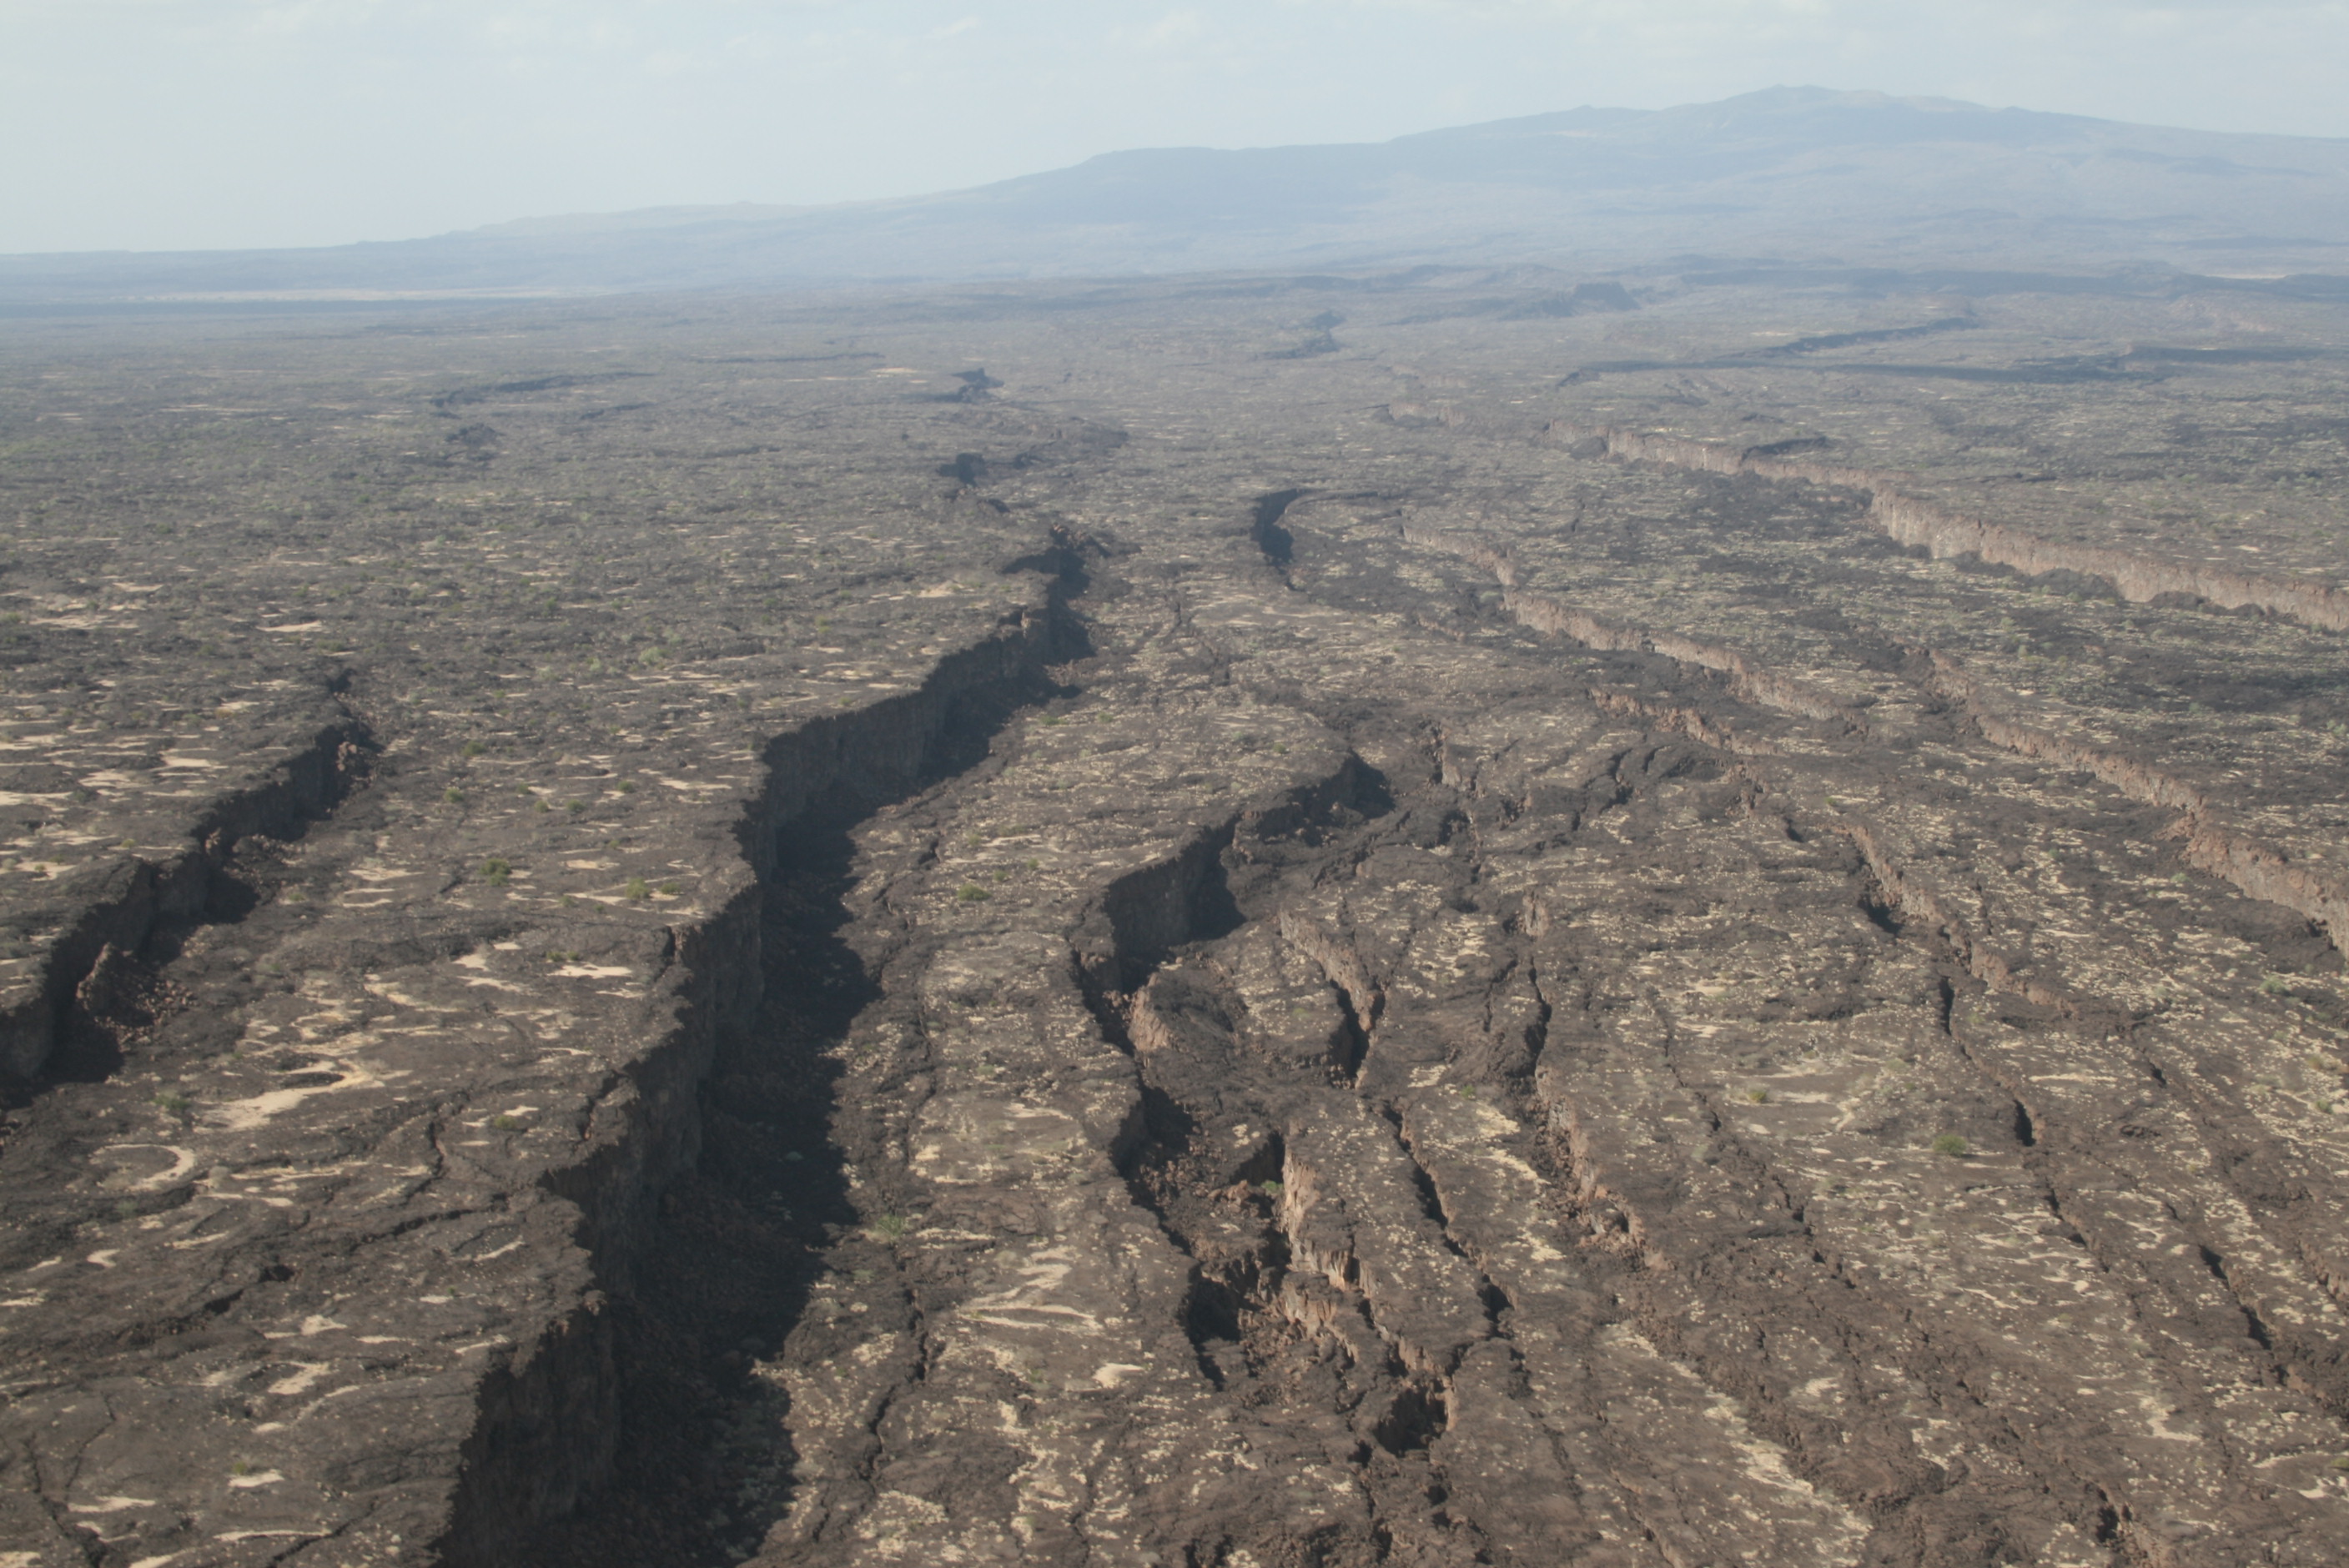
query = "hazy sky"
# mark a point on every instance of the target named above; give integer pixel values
(163, 123)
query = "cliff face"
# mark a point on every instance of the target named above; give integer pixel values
(1921, 524)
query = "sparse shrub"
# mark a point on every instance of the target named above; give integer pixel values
(1032, 863)
(637, 888)
(971, 892)
(540, 806)
(173, 1101)
(1758, 1096)
(625, 786)
(670, 889)
(2276, 985)
(1270, 1189)
(1952, 1145)
(474, 748)
(891, 1227)
(574, 807)
(505, 1123)
(454, 795)
(495, 871)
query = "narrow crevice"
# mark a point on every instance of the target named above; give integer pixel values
(101, 979)
(1280, 546)
(709, 1268)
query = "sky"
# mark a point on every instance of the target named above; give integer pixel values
(200, 124)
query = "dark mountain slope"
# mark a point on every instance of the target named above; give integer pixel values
(1792, 174)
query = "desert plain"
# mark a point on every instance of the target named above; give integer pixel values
(1457, 915)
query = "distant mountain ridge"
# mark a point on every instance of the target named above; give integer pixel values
(1789, 175)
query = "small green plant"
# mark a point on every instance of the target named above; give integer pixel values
(574, 807)
(670, 889)
(505, 1123)
(474, 748)
(1950, 1145)
(173, 1101)
(454, 795)
(1052, 718)
(636, 888)
(126, 1209)
(2276, 985)
(891, 1227)
(540, 806)
(1270, 1189)
(496, 871)
(971, 892)
(625, 786)
(1758, 1096)
(1032, 863)
(240, 1467)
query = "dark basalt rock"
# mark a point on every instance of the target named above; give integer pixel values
(1345, 958)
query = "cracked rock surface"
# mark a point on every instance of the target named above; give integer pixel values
(1295, 924)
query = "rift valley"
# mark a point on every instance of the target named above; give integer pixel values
(1457, 917)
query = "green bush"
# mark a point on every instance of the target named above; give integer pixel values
(495, 871)
(1950, 1144)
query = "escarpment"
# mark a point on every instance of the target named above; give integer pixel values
(1926, 525)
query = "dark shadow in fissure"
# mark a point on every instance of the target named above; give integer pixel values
(1280, 546)
(705, 1460)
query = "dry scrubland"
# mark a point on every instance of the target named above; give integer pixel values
(1434, 920)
